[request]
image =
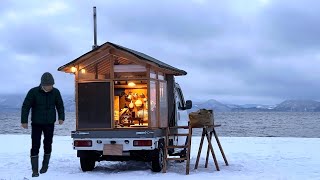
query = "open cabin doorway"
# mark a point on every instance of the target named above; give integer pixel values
(131, 104)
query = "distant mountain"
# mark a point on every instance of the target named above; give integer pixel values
(298, 106)
(286, 106)
(233, 106)
(258, 106)
(211, 104)
(220, 107)
(12, 103)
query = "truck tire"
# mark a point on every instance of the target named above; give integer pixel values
(87, 164)
(158, 159)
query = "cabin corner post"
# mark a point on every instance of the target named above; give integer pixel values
(148, 95)
(112, 91)
(171, 99)
(158, 103)
(149, 105)
(76, 81)
(112, 103)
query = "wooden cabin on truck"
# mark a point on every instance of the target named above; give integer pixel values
(125, 100)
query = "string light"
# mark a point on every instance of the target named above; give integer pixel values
(73, 69)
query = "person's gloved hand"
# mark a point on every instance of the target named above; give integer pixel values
(24, 125)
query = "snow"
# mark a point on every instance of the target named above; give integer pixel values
(249, 158)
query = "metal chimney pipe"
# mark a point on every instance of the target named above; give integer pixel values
(95, 45)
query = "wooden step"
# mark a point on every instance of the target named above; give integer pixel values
(177, 127)
(185, 147)
(178, 134)
(181, 146)
(177, 159)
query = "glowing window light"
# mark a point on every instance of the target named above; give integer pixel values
(131, 84)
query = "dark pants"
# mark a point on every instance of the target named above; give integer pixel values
(36, 133)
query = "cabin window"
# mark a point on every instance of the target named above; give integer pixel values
(153, 104)
(153, 74)
(130, 104)
(130, 71)
(160, 76)
(163, 104)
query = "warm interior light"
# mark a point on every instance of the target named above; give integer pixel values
(138, 103)
(131, 84)
(83, 71)
(73, 69)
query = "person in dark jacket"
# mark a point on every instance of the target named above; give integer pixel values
(43, 101)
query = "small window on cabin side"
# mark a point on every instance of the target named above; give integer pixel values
(163, 104)
(153, 74)
(160, 76)
(129, 71)
(153, 104)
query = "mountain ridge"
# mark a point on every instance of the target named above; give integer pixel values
(12, 103)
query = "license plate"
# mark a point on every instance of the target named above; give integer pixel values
(113, 149)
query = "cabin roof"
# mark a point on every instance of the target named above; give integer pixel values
(137, 54)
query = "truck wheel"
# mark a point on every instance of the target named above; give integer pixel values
(87, 164)
(158, 159)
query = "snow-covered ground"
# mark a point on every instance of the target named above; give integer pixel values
(249, 158)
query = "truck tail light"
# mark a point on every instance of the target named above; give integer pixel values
(142, 143)
(82, 143)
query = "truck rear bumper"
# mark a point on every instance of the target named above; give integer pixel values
(126, 144)
(119, 133)
(141, 155)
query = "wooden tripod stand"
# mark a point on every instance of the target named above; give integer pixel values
(207, 132)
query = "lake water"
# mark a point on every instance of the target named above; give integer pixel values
(234, 124)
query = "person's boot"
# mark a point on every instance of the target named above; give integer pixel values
(35, 165)
(45, 163)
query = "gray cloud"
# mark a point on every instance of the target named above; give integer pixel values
(241, 51)
(33, 38)
(291, 25)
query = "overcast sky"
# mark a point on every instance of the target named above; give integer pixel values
(257, 51)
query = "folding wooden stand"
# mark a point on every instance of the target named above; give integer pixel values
(207, 132)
